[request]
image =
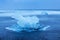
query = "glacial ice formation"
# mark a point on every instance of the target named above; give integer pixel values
(24, 23)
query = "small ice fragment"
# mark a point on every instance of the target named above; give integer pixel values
(45, 28)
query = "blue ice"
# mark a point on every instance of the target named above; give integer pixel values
(24, 23)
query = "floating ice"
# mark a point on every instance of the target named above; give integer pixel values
(45, 28)
(27, 23)
(24, 23)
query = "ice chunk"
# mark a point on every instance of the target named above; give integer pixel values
(45, 28)
(24, 23)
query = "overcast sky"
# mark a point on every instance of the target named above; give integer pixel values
(29, 4)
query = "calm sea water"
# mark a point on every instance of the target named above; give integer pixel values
(52, 20)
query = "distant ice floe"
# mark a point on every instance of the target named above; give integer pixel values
(20, 12)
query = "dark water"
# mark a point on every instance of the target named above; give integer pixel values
(52, 33)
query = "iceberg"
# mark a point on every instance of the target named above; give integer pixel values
(24, 23)
(27, 24)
